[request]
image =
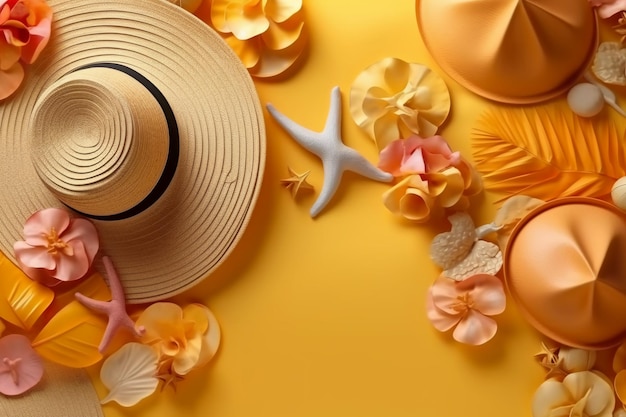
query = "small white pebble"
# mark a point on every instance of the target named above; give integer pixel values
(618, 194)
(585, 99)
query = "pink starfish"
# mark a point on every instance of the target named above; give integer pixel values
(115, 309)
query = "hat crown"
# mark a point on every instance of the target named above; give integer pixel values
(100, 140)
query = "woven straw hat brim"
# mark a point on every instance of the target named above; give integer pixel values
(63, 392)
(195, 224)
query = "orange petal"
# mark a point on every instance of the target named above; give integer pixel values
(487, 292)
(475, 329)
(620, 385)
(447, 186)
(10, 80)
(197, 313)
(187, 358)
(162, 321)
(9, 55)
(272, 63)
(218, 15)
(619, 359)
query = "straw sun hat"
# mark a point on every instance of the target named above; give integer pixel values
(138, 116)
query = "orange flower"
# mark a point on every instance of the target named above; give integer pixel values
(25, 30)
(267, 35)
(188, 336)
(466, 305)
(56, 247)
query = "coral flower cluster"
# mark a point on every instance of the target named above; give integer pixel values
(24, 32)
(430, 178)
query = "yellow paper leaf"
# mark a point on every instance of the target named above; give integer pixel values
(548, 152)
(93, 287)
(72, 336)
(22, 300)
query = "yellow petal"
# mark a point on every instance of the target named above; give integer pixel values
(187, 358)
(9, 55)
(284, 35)
(281, 10)
(197, 313)
(210, 340)
(447, 186)
(246, 22)
(619, 359)
(249, 52)
(162, 321)
(272, 63)
(10, 80)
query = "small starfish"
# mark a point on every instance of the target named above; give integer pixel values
(167, 375)
(548, 357)
(328, 146)
(296, 182)
(114, 309)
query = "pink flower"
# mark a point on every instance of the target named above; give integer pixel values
(24, 32)
(607, 8)
(466, 305)
(417, 155)
(20, 366)
(56, 247)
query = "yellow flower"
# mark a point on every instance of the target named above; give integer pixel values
(580, 394)
(267, 35)
(188, 336)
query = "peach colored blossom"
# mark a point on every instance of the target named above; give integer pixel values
(417, 155)
(188, 336)
(465, 306)
(580, 394)
(24, 32)
(20, 366)
(56, 247)
(267, 35)
(607, 8)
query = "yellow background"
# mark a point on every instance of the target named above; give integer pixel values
(326, 316)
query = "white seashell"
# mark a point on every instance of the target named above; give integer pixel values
(618, 193)
(609, 64)
(585, 99)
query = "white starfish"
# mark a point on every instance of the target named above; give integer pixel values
(328, 146)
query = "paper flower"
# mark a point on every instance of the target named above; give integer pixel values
(394, 99)
(25, 28)
(431, 178)
(56, 247)
(607, 8)
(129, 374)
(189, 336)
(417, 155)
(466, 305)
(461, 253)
(20, 366)
(564, 360)
(267, 35)
(585, 393)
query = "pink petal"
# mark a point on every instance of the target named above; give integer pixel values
(438, 154)
(390, 158)
(487, 293)
(29, 368)
(446, 294)
(71, 268)
(10, 80)
(33, 256)
(441, 320)
(475, 329)
(39, 36)
(43, 221)
(413, 163)
(84, 231)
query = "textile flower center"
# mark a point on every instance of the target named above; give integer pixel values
(56, 245)
(464, 303)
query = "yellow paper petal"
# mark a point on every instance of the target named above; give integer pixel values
(272, 63)
(281, 36)
(71, 337)
(392, 97)
(447, 186)
(22, 300)
(129, 374)
(197, 313)
(187, 358)
(218, 15)
(619, 359)
(246, 21)
(210, 340)
(281, 10)
(162, 321)
(547, 152)
(249, 52)
(409, 198)
(93, 287)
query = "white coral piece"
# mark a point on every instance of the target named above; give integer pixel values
(609, 64)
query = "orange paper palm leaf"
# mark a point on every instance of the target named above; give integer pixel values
(22, 300)
(548, 152)
(71, 337)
